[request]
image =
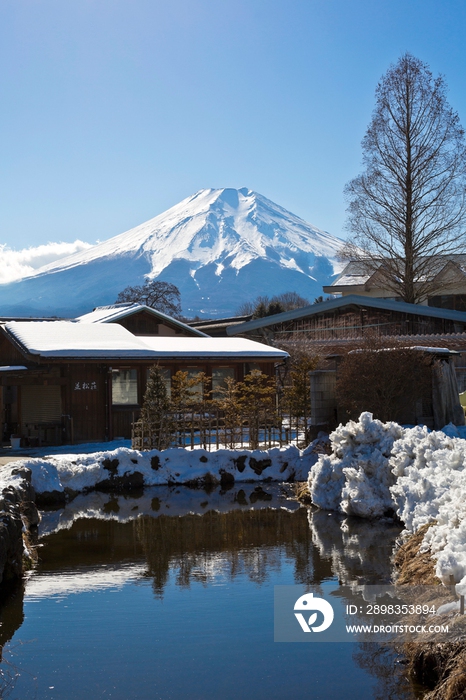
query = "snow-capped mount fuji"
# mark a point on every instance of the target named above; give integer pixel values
(220, 247)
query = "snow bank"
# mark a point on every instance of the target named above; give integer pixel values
(420, 475)
(84, 472)
(356, 478)
(430, 470)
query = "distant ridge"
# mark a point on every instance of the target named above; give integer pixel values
(220, 247)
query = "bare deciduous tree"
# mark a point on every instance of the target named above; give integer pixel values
(408, 207)
(163, 296)
(265, 306)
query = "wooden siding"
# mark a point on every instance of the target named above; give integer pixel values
(86, 411)
(87, 401)
(144, 323)
(354, 323)
(9, 355)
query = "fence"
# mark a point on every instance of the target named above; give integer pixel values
(213, 429)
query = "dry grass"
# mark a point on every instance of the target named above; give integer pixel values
(301, 492)
(411, 566)
(438, 666)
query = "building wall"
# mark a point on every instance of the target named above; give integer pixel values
(144, 323)
(86, 414)
(122, 416)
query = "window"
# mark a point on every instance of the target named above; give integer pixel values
(457, 302)
(251, 367)
(124, 387)
(219, 377)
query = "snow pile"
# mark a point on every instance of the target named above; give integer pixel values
(431, 488)
(420, 475)
(84, 472)
(356, 477)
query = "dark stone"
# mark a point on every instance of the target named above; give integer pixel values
(258, 465)
(11, 546)
(128, 482)
(155, 462)
(227, 481)
(24, 472)
(155, 504)
(111, 507)
(241, 498)
(30, 513)
(111, 465)
(240, 463)
(259, 495)
(203, 458)
(283, 467)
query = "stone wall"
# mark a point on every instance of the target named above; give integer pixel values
(19, 518)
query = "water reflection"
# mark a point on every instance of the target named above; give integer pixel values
(253, 543)
(360, 551)
(192, 551)
(166, 500)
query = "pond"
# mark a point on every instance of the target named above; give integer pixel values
(169, 594)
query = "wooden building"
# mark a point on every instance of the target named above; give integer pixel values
(348, 319)
(335, 327)
(84, 379)
(441, 282)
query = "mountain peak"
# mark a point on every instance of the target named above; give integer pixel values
(219, 247)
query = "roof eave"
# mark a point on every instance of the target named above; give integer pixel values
(348, 300)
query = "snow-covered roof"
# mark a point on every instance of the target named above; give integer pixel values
(65, 339)
(12, 368)
(115, 312)
(212, 347)
(112, 341)
(359, 272)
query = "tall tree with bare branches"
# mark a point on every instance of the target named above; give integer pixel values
(163, 296)
(408, 207)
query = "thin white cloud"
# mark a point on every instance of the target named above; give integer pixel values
(16, 264)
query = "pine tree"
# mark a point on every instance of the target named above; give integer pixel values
(257, 396)
(231, 407)
(155, 412)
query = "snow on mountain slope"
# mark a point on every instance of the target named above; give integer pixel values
(219, 246)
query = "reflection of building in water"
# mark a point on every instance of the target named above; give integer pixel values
(226, 545)
(360, 551)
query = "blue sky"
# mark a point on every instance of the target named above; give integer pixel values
(114, 110)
